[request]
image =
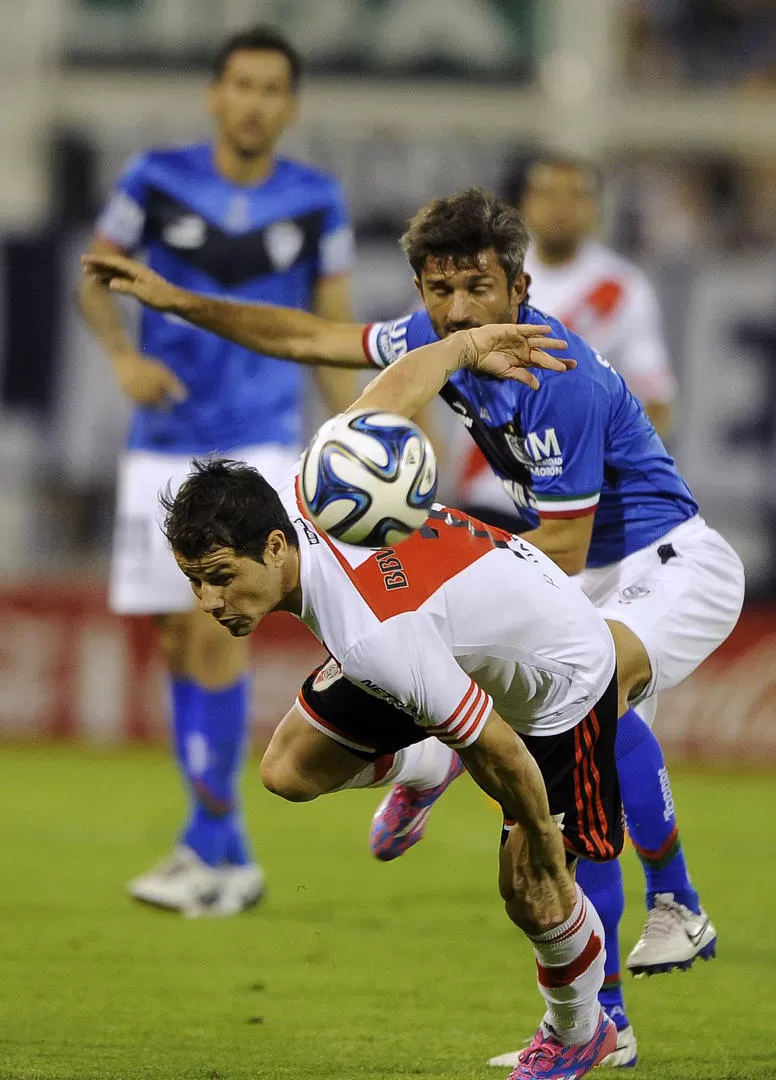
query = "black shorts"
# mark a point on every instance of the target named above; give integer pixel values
(580, 773)
(578, 766)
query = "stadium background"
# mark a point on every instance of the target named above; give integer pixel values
(404, 100)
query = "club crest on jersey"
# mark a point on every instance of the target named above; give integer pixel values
(330, 673)
(238, 213)
(185, 233)
(634, 592)
(284, 241)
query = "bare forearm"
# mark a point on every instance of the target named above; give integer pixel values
(274, 331)
(505, 770)
(415, 380)
(103, 317)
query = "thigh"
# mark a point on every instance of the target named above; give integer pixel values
(298, 752)
(364, 724)
(580, 773)
(684, 603)
(144, 577)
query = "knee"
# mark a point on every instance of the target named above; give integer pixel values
(285, 781)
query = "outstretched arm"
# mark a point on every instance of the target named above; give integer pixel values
(274, 331)
(503, 350)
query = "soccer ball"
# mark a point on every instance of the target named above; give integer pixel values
(369, 478)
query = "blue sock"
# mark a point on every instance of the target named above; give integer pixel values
(209, 735)
(649, 811)
(602, 884)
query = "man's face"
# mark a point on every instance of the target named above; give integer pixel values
(560, 207)
(253, 100)
(462, 296)
(235, 589)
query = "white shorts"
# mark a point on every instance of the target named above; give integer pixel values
(144, 577)
(681, 597)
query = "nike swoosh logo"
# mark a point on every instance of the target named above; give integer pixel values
(696, 938)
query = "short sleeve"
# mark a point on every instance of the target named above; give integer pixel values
(643, 359)
(406, 662)
(336, 248)
(387, 342)
(122, 221)
(565, 425)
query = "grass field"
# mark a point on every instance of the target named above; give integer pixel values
(350, 968)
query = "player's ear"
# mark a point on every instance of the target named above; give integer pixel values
(520, 287)
(276, 548)
(418, 285)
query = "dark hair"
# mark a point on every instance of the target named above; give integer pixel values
(266, 39)
(520, 182)
(224, 504)
(461, 226)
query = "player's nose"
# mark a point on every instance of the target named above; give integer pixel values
(210, 599)
(459, 311)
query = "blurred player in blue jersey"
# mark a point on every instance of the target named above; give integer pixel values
(599, 494)
(229, 218)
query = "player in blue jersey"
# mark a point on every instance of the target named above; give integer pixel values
(601, 496)
(229, 218)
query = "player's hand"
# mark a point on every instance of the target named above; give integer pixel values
(147, 381)
(507, 350)
(133, 278)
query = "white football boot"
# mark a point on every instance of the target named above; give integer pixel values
(183, 882)
(673, 937)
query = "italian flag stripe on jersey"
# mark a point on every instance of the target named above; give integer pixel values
(567, 506)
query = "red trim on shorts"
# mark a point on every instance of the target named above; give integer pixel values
(579, 801)
(603, 831)
(554, 978)
(335, 731)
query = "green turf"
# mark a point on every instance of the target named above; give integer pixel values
(350, 968)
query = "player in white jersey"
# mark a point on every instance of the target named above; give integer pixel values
(594, 291)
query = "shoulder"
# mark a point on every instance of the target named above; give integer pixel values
(156, 163)
(577, 348)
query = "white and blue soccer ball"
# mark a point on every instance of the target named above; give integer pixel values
(369, 478)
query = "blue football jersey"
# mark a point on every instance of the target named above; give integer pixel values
(580, 444)
(269, 242)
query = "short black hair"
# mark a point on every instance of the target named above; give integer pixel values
(265, 38)
(227, 504)
(555, 160)
(461, 226)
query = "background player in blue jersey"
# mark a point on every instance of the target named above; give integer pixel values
(601, 495)
(229, 218)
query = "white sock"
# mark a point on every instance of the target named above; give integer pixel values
(570, 966)
(422, 765)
